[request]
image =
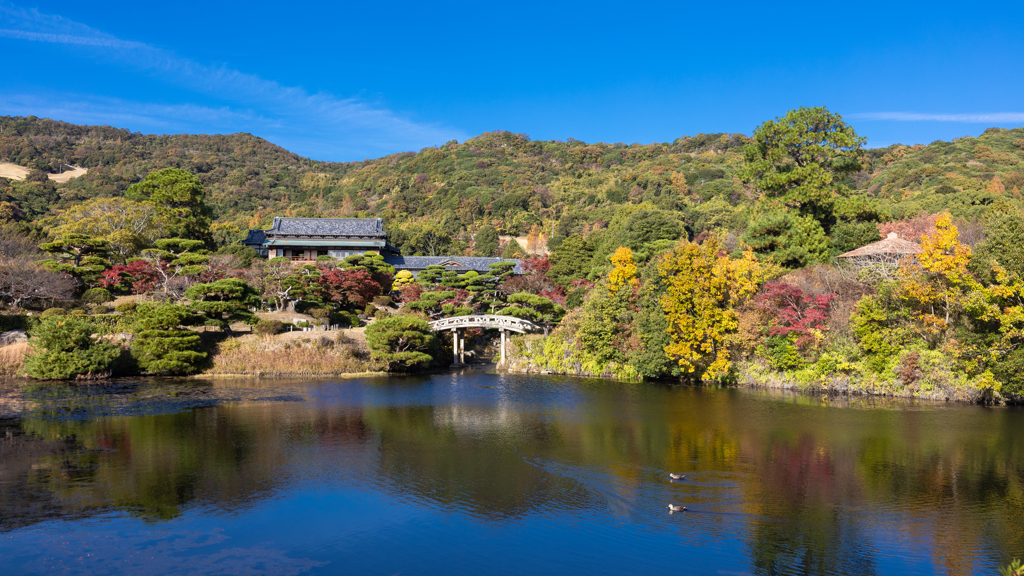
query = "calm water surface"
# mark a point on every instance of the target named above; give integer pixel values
(496, 474)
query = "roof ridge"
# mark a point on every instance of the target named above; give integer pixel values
(316, 218)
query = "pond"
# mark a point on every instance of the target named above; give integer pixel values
(507, 474)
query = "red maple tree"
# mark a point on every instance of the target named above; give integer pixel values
(794, 311)
(350, 286)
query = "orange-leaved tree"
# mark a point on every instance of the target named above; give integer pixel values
(704, 285)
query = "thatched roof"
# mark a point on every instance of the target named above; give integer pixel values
(891, 245)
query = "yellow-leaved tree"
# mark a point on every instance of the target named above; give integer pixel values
(128, 226)
(937, 290)
(623, 270)
(704, 285)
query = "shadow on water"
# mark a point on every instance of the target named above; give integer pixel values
(550, 473)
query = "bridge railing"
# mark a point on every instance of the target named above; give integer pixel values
(491, 321)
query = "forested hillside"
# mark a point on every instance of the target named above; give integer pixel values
(437, 199)
(710, 258)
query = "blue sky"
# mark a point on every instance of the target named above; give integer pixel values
(348, 81)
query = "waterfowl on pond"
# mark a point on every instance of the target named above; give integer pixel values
(675, 476)
(676, 508)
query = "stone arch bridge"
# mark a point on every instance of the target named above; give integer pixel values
(503, 324)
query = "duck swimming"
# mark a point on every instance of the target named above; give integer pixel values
(675, 476)
(676, 508)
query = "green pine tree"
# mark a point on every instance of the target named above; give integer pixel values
(65, 347)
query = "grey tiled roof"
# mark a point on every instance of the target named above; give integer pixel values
(327, 227)
(255, 238)
(456, 263)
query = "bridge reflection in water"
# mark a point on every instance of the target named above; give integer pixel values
(487, 321)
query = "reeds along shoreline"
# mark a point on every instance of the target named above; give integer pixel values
(319, 357)
(12, 358)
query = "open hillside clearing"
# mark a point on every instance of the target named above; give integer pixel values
(15, 172)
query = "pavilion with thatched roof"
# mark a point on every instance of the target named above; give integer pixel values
(884, 256)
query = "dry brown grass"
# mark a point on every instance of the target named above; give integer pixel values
(12, 171)
(12, 358)
(15, 172)
(63, 177)
(315, 354)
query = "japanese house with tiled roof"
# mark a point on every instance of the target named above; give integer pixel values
(480, 264)
(306, 239)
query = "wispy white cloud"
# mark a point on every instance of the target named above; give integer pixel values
(137, 116)
(990, 118)
(347, 126)
(66, 39)
(316, 142)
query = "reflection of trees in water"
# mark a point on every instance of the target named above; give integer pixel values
(150, 465)
(948, 482)
(955, 479)
(25, 462)
(802, 525)
(945, 484)
(468, 459)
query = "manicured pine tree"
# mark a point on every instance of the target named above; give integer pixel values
(161, 345)
(78, 255)
(223, 302)
(401, 341)
(65, 347)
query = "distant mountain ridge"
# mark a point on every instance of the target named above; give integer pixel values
(502, 179)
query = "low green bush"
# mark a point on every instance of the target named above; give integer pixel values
(17, 322)
(126, 307)
(321, 314)
(401, 341)
(1009, 370)
(369, 310)
(97, 296)
(346, 318)
(379, 314)
(78, 312)
(268, 327)
(51, 312)
(382, 300)
(781, 353)
(65, 347)
(100, 309)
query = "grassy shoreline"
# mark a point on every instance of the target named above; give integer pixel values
(281, 375)
(839, 385)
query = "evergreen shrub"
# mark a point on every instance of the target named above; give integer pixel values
(322, 314)
(17, 322)
(401, 341)
(97, 296)
(348, 318)
(268, 327)
(66, 347)
(161, 345)
(51, 312)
